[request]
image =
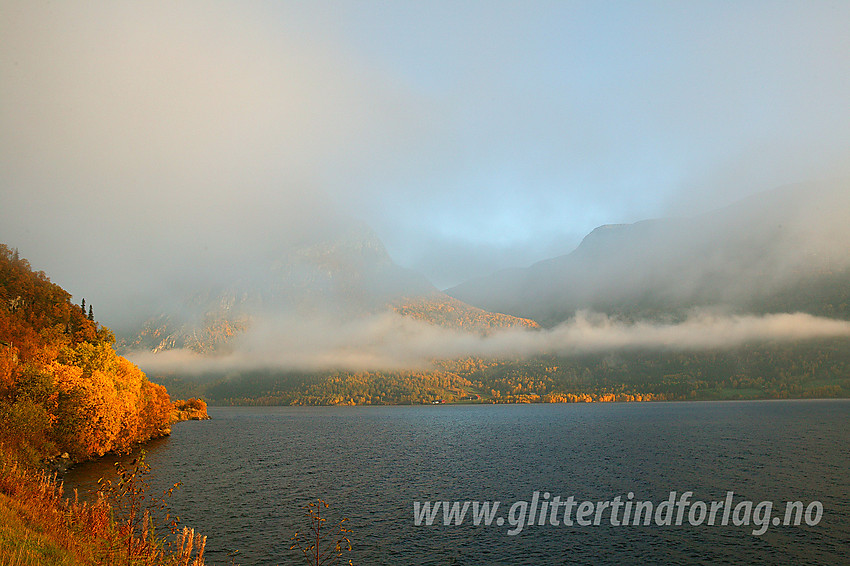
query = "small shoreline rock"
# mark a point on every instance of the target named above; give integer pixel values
(58, 464)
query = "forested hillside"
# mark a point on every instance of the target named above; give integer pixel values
(63, 389)
(808, 369)
(441, 310)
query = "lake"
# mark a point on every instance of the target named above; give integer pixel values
(248, 472)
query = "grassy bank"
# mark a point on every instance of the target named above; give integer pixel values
(39, 525)
(25, 540)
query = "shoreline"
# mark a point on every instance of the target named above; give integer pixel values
(472, 403)
(183, 411)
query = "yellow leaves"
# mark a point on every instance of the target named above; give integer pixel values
(8, 363)
(154, 411)
(128, 377)
(599, 398)
(65, 377)
(90, 357)
(91, 409)
(105, 411)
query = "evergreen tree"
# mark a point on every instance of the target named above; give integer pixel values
(91, 314)
(83, 305)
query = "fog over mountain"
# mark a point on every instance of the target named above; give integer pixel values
(171, 161)
(389, 342)
(743, 274)
(748, 257)
(312, 286)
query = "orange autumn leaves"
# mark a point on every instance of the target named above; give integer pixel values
(62, 386)
(108, 408)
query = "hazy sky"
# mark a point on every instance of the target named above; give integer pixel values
(142, 138)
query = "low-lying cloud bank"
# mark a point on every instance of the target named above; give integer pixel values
(389, 341)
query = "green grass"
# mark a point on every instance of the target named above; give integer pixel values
(23, 543)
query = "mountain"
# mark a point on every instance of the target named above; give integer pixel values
(777, 251)
(341, 275)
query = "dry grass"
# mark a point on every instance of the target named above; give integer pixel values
(188, 541)
(39, 526)
(33, 523)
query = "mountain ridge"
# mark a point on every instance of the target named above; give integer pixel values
(735, 257)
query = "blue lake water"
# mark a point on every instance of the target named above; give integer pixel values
(247, 473)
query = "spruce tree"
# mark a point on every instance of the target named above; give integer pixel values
(91, 314)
